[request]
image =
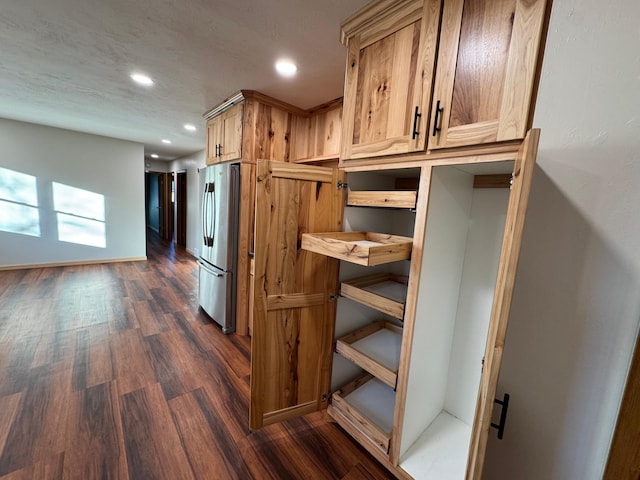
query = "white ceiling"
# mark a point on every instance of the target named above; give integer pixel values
(66, 63)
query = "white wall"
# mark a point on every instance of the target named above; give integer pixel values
(576, 308)
(192, 164)
(111, 170)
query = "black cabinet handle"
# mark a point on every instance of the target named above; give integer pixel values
(220, 149)
(503, 415)
(416, 118)
(216, 149)
(439, 110)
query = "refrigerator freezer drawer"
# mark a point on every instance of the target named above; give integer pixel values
(215, 295)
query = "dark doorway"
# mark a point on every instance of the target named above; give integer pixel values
(159, 203)
(181, 208)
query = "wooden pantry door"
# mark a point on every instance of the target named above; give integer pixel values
(294, 316)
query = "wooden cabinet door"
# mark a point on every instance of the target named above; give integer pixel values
(518, 200)
(390, 63)
(213, 140)
(293, 324)
(487, 68)
(231, 134)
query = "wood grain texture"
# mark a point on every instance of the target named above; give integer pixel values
(391, 199)
(355, 290)
(487, 71)
(362, 248)
(99, 398)
(389, 74)
(293, 318)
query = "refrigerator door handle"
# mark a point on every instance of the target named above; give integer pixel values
(205, 213)
(208, 209)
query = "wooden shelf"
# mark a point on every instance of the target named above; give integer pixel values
(384, 292)
(362, 248)
(365, 409)
(375, 348)
(392, 199)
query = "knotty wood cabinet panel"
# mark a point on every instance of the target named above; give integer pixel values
(224, 136)
(487, 67)
(390, 62)
(293, 321)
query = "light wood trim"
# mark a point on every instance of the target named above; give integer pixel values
(69, 264)
(476, 133)
(325, 107)
(296, 300)
(521, 73)
(273, 102)
(287, 413)
(344, 347)
(242, 95)
(413, 287)
(514, 228)
(624, 461)
(489, 153)
(366, 443)
(354, 290)
(370, 16)
(501, 180)
(301, 172)
(321, 159)
(393, 198)
(446, 68)
(390, 146)
(362, 423)
(245, 245)
(350, 97)
(339, 245)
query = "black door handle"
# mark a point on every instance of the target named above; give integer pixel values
(503, 415)
(416, 118)
(439, 110)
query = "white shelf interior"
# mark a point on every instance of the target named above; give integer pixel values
(459, 268)
(389, 289)
(382, 346)
(376, 401)
(440, 453)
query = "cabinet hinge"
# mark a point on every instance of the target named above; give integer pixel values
(325, 397)
(342, 185)
(334, 296)
(482, 365)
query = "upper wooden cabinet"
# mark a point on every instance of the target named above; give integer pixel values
(224, 136)
(479, 58)
(389, 73)
(316, 136)
(486, 72)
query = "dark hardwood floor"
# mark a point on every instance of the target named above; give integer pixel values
(112, 372)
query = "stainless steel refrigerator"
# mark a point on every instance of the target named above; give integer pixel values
(219, 255)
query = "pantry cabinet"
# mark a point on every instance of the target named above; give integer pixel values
(388, 305)
(433, 74)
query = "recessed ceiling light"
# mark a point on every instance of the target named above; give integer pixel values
(164, 140)
(191, 128)
(154, 155)
(142, 79)
(286, 67)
